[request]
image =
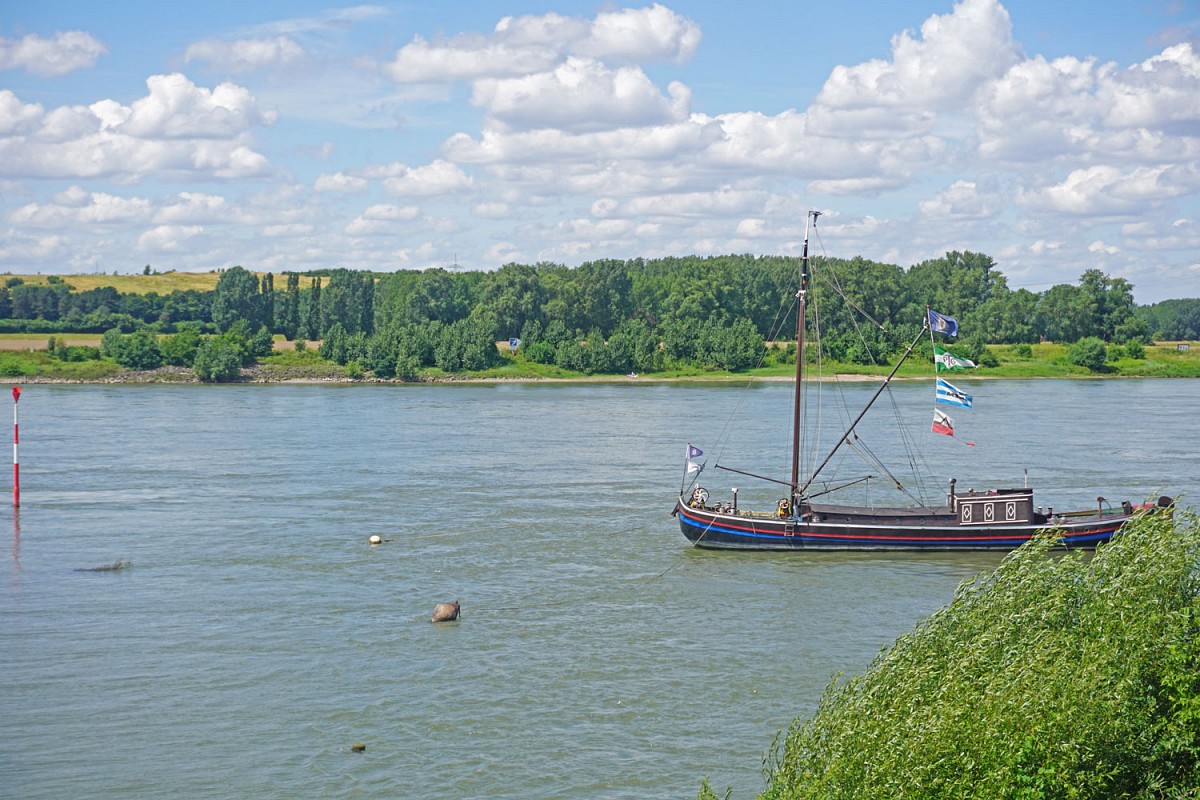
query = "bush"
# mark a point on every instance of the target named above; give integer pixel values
(1135, 350)
(1022, 351)
(218, 359)
(1057, 675)
(1088, 352)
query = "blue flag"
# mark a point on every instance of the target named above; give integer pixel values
(951, 395)
(940, 323)
(694, 452)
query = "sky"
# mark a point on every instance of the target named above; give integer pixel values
(1053, 137)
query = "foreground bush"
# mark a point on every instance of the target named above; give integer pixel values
(1060, 675)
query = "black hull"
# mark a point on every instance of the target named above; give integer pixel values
(720, 530)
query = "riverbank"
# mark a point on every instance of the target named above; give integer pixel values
(27, 360)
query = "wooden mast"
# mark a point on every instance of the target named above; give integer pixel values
(802, 301)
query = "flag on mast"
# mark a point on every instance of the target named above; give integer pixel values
(947, 360)
(942, 423)
(940, 323)
(951, 395)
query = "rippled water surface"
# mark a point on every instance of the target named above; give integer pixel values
(256, 635)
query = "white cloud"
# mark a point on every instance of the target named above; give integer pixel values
(1162, 90)
(178, 108)
(167, 238)
(178, 128)
(638, 34)
(580, 94)
(245, 55)
(195, 207)
(76, 207)
(340, 182)
(437, 178)
(381, 219)
(66, 52)
(17, 118)
(956, 54)
(525, 45)
(494, 210)
(464, 58)
(962, 200)
(1101, 190)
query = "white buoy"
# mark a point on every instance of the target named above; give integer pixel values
(375, 538)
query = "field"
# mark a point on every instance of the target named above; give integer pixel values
(164, 283)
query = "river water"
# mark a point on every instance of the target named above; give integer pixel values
(256, 635)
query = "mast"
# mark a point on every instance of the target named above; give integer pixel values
(802, 301)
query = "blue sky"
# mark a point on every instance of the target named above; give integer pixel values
(1054, 137)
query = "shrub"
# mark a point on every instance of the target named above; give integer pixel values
(218, 359)
(1135, 350)
(1088, 352)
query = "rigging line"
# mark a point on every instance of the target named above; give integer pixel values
(724, 434)
(841, 293)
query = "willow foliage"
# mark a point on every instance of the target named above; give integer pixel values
(1058, 675)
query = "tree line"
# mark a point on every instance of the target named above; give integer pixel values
(606, 316)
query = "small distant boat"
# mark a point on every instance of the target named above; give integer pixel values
(1001, 518)
(631, 375)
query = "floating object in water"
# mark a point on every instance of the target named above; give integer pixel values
(375, 538)
(445, 612)
(113, 567)
(358, 747)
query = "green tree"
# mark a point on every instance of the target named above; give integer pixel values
(180, 348)
(290, 313)
(237, 298)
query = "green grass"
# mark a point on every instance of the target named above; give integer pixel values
(16, 365)
(1058, 675)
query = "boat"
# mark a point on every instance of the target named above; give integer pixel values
(990, 519)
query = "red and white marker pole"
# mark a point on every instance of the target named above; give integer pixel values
(16, 441)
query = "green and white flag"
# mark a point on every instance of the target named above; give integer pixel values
(947, 360)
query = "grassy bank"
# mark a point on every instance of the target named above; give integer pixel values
(23, 355)
(1058, 675)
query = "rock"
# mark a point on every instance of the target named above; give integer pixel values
(445, 612)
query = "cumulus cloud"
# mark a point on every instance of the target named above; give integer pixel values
(536, 43)
(437, 178)
(245, 55)
(195, 207)
(65, 52)
(381, 219)
(1102, 190)
(638, 34)
(77, 207)
(177, 127)
(167, 238)
(580, 94)
(955, 54)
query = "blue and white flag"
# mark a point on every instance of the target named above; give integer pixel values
(694, 452)
(940, 323)
(951, 395)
